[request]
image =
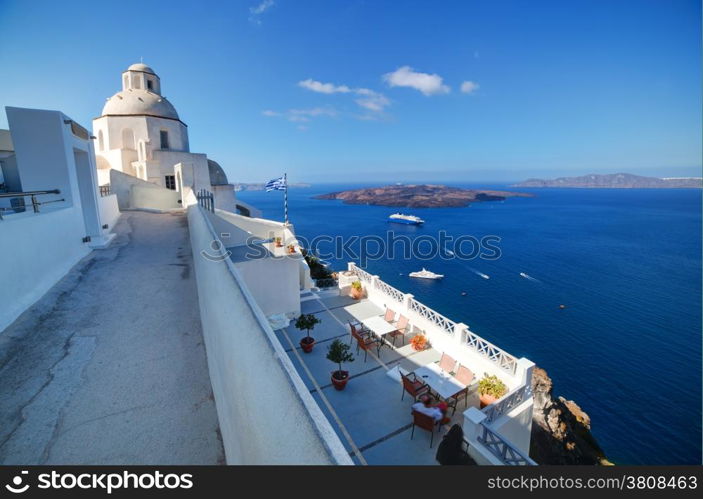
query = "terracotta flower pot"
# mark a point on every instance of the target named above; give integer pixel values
(307, 343)
(357, 293)
(486, 399)
(340, 379)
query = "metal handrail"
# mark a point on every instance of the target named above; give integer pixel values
(30, 194)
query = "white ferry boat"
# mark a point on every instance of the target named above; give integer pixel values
(405, 219)
(425, 274)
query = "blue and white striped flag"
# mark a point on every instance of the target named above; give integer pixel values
(277, 184)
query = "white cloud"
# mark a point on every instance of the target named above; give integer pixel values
(469, 87)
(371, 100)
(323, 88)
(257, 11)
(368, 99)
(315, 111)
(300, 115)
(428, 84)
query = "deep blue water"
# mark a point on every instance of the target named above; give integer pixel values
(627, 265)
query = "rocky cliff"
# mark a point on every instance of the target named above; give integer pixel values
(561, 430)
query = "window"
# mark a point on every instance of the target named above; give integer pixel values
(170, 182)
(149, 85)
(164, 139)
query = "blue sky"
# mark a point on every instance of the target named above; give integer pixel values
(372, 90)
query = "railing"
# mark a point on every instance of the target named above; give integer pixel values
(506, 404)
(362, 274)
(20, 205)
(104, 190)
(497, 355)
(389, 290)
(503, 450)
(206, 200)
(447, 325)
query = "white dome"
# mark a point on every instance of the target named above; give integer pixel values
(140, 66)
(139, 102)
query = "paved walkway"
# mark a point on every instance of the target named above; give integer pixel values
(109, 366)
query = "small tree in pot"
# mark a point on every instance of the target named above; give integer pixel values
(307, 322)
(338, 352)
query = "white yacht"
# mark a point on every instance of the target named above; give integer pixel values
(425, 274)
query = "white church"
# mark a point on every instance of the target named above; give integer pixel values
(140, 135)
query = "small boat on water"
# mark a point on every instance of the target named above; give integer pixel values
(425, 274)
(399, 218)
(522, 274)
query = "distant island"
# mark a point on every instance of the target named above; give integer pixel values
(419, 196)
(261, 186)
(615, 181)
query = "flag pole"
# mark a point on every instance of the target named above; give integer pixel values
(285, 198)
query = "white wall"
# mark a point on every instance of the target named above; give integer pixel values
(109, 210)
(266, 414)
(36, 250)
(516, 425)
(133, 193)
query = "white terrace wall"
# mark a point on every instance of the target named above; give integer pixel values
(266, 414)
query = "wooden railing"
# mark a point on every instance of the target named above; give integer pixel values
(502, 449)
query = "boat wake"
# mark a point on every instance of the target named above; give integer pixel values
(528, 277)
(480, 274)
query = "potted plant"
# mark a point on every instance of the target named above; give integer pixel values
(356, 290)
(291, 248)
(307, 322)
(279, 242)
(338, 353)
(419, 342)
(490, 389)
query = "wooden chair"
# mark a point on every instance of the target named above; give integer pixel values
(367, 343)
(390, 315)
(402, 326)
(413, 386)
(447, 363)
(426, 423)
(465, 377)
(357, 329)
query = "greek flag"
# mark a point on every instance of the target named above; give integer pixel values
(277, 184)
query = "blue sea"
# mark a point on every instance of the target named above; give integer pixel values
(625, 263)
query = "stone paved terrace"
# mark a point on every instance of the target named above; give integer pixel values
(109, 366)
(368, 415)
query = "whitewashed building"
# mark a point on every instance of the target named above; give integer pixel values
(139, 133)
